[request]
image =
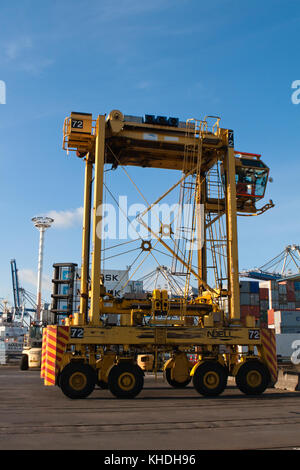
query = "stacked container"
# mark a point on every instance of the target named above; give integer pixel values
(284, 295)
(273, 293)
(287, 321)
(263, 306)
(135, 286)
(249, 299)
(297, 293)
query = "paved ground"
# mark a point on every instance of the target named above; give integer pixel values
(38, 417)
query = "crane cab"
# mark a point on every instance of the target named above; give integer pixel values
(251, 177)
(32, 351)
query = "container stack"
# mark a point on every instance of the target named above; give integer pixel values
(297, 293)
(135, 286)
(268, 301)
(287, 321)
(284, 295)
(283, 305)
(263, 306)
(249, 299)
(273, 293)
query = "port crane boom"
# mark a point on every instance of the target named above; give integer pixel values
(280, 267)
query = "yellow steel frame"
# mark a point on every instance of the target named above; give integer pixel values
(119, 141)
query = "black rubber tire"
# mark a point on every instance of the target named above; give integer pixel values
(241, 377)
(174, 383)
(127, 369)
(102, 384)
(86, 372)
(219, 372)
(24, 362)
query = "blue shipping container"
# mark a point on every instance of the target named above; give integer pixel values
(254, 287)
(297, 285)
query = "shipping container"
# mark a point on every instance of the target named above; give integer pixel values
(135, 286)
(274, 295)
(282, 288)
(297, 295)
(136, 295)
(282, 307)
(254, 299)
(113, 279)
(245, 287)
(282, 298)
(264, 305)
(274, 304)
(264, 293)
(286, 345)
(254, 287)
(64, 273)
(62, 305)
(271, 317)
(244, 298)
(287, 330)
(271, 285)
(297, 285)
(249, 310)
(286, 318)
(291, 297)
(63, 289)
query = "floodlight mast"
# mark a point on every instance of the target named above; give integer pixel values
(41, 223)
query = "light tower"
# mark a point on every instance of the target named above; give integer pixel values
(41, 223)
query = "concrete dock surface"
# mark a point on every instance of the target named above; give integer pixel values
(37, 417)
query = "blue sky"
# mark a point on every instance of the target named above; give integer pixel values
(184, 58)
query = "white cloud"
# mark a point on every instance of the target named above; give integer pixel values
(14, 48)
(23, 53)
(66, 219)
(28, 276)
(35, 67)
(144, 85)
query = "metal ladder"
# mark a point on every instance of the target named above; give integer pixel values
(185, 231)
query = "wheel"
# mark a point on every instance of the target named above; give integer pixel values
(77, 380)
(253, 378)
(125, 380)
(102, 384)
(210, 378)
(24, 362)
(174, 383)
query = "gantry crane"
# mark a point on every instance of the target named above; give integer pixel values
(278, 268)
(218, 183)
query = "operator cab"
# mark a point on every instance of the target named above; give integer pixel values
(251, 177)
(35, 335)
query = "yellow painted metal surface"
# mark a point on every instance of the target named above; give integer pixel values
(97, 221)
(118, 140)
